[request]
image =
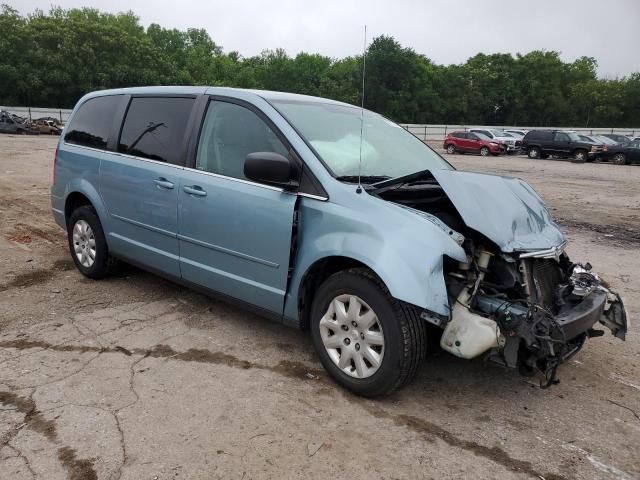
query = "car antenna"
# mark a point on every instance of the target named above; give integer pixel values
(364, 64)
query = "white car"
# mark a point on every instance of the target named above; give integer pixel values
(519, 134)
(511, 143)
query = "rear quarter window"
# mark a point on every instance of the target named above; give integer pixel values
(91, 124)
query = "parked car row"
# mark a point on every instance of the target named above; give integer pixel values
(611, 147)
(10, 123)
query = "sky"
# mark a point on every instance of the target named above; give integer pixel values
(445, 31)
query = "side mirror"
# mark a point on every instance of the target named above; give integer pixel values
(272, 169)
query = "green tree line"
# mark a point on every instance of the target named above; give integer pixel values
(52, 59)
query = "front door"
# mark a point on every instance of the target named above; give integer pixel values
(235, 234)
(560, 143)
(473, 142)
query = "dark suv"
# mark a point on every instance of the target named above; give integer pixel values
(542, 143)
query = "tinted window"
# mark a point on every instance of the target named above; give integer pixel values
(154, 128)
(561, 137)
(472, 136)
(539, 135)
(230, 133)
(92, 122)
(457, 134)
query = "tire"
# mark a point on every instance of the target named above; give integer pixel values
(619, 159)
(484, 151)
(403, 334)
(533, 153)
(451, 148)
(102, 264)
(580, 156)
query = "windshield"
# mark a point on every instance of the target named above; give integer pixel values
(605, 140)
(333, 130)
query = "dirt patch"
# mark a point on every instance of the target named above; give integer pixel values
(24, 231)
(286, 368)
(617, 234)
(36, 277)
(20, 238)
(33, 419)
(430, 431)
(78, 469)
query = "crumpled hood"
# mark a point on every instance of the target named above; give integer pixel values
(506, 210)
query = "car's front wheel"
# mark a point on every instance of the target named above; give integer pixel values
(580, 156)
(368, 341)
(88, 245)
(484, 151)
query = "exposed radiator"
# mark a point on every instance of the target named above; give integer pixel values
(546, 278)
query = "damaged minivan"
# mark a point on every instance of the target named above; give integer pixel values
(327, 218)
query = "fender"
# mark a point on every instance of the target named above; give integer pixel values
(86, 188)
(404, 249)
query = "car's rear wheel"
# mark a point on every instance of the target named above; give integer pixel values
(619, 159)
(533, 152)
(88, 245)
(369, 342)
(484, 151)
(451, 148)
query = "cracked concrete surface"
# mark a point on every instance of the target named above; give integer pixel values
(136, 378)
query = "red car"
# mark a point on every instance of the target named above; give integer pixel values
(472, 142)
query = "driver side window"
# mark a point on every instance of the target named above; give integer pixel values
(231, 132)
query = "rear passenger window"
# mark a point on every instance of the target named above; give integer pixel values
(154, 128)
(230, 133)
(561, 137)
(91, 124)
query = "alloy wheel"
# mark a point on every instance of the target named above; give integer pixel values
(84, 243)
(619, 159)
(352, 336)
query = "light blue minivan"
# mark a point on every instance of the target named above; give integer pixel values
(328, 218)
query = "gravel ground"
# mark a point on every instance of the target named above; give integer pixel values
(136, 378)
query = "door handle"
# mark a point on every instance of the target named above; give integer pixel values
(194, 190)
(163, 183)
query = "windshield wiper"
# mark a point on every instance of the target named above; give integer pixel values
(412, 177)
(366, 179)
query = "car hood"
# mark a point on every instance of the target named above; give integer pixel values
(506, 210)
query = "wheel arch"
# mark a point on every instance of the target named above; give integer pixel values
(81, 192)
(316, 274)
